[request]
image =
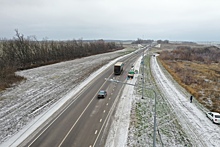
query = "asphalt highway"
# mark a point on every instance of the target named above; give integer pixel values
(85, 120)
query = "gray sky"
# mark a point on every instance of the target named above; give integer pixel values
(186, 20)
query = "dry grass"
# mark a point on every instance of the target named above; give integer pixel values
(8, 78)
(200, 79)
(205, 81)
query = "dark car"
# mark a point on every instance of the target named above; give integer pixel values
(102, 94)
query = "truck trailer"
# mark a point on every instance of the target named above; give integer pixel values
(118, 68)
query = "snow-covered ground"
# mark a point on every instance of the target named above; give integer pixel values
(118, 133)
(199, 130)
(198, 127)
(27, 105)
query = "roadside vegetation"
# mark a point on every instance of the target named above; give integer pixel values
(169, 131)
(27, 52)
(197, 69)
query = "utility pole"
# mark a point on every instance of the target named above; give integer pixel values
(143, 76)
(155, 95)
(155, 120)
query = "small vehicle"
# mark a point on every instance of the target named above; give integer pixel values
(214, 117)
(102, 94)
(131, 73)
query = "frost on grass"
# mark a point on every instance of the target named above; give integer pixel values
(44, 86)
(168, 131)
(190, 116)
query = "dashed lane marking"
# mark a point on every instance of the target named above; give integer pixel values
(96, 131)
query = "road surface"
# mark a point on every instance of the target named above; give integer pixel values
(84, 120)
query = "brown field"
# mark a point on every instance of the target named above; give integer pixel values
(200, 79)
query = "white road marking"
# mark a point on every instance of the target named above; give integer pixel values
(96, 131)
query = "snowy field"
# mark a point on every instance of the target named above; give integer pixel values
(45, 90)
(48, 87)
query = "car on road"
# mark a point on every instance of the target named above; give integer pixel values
(102, 94)
(214, 117)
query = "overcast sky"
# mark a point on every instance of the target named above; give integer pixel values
(186, 20)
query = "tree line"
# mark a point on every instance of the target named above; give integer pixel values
(140, 41)
(27, 52)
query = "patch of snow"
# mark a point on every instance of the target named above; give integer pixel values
(200, 130)
(158, 46)
(25, 107)
(118, 133)
(63, 81)
(195, 122)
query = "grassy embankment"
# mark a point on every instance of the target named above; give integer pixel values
(141, 125)
(198, 71)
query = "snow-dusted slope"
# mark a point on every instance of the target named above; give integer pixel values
(200, 129)
(44, 91)
(50, 86)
